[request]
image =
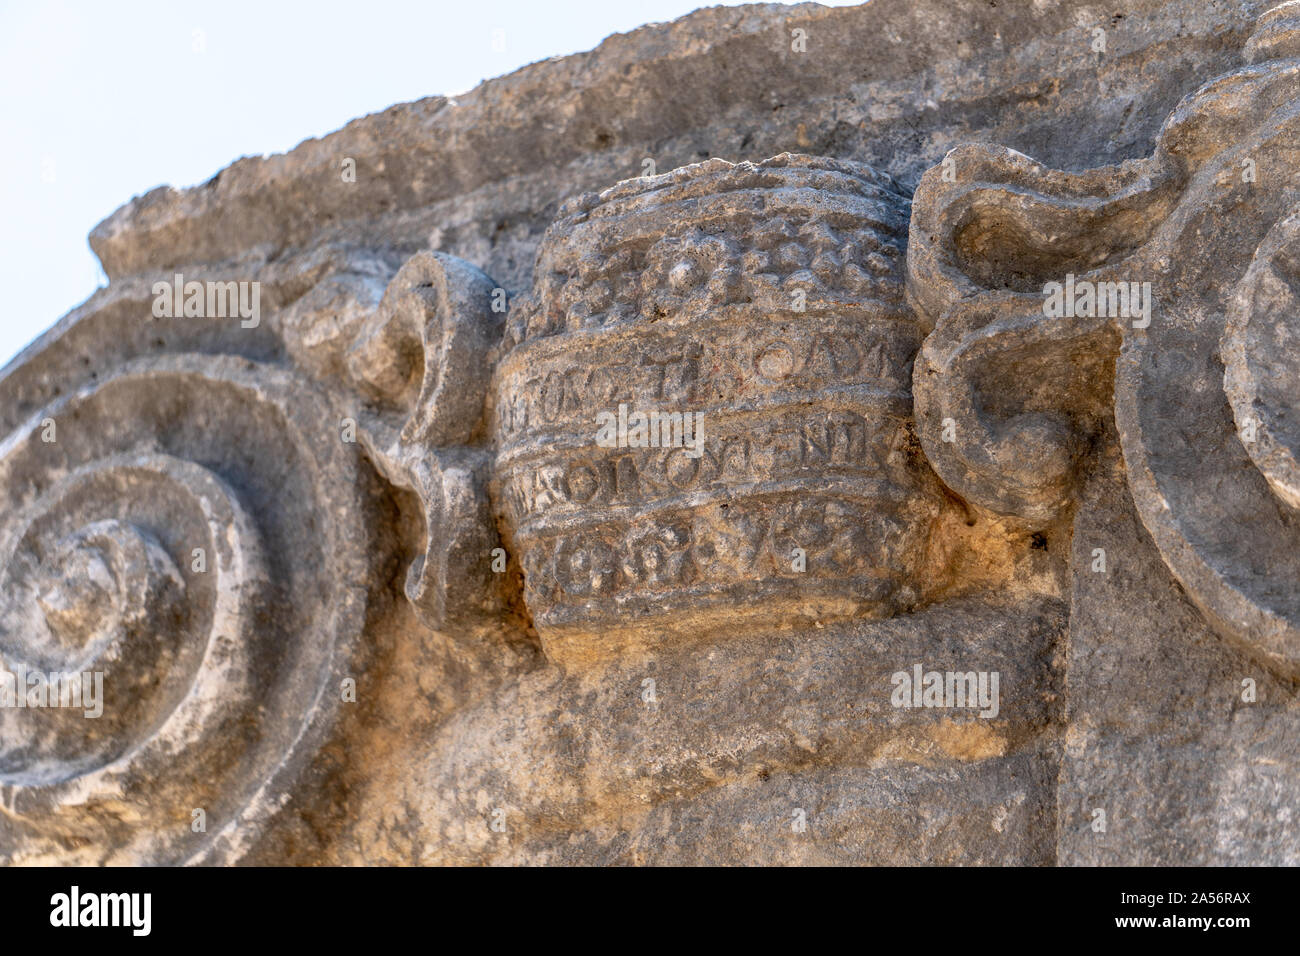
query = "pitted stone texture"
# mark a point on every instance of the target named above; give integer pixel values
(407, 351)
(194, 534)
(681, 287)
(1228, 538)
(1261, 355)
(1160, 734)
(763, 302)
(320, 326)
(419, 368)
(1010, 397)
(703, 754)
(892, 83)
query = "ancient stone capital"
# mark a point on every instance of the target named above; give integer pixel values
(908, 471)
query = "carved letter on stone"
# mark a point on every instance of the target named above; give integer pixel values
(766, 301)
(755, 511)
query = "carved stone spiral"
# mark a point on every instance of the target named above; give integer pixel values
(187, 526)
(1010, 400)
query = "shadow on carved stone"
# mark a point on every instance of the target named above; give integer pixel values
(186, 528)
(1010, 391)
(757, 309)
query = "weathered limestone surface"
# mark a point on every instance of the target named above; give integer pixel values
(380, 570)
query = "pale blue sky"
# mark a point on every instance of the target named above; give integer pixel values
(103, 101)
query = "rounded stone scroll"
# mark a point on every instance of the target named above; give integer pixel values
(1206, 398)
(182, 563)
(423, 363)
(1008, 397)
(1261, 356)
(1204, 379)
(1277, 34)
(1210, 450)
(425, 349)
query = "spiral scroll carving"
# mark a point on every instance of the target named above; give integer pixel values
(1011, 397)
(186, 528)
